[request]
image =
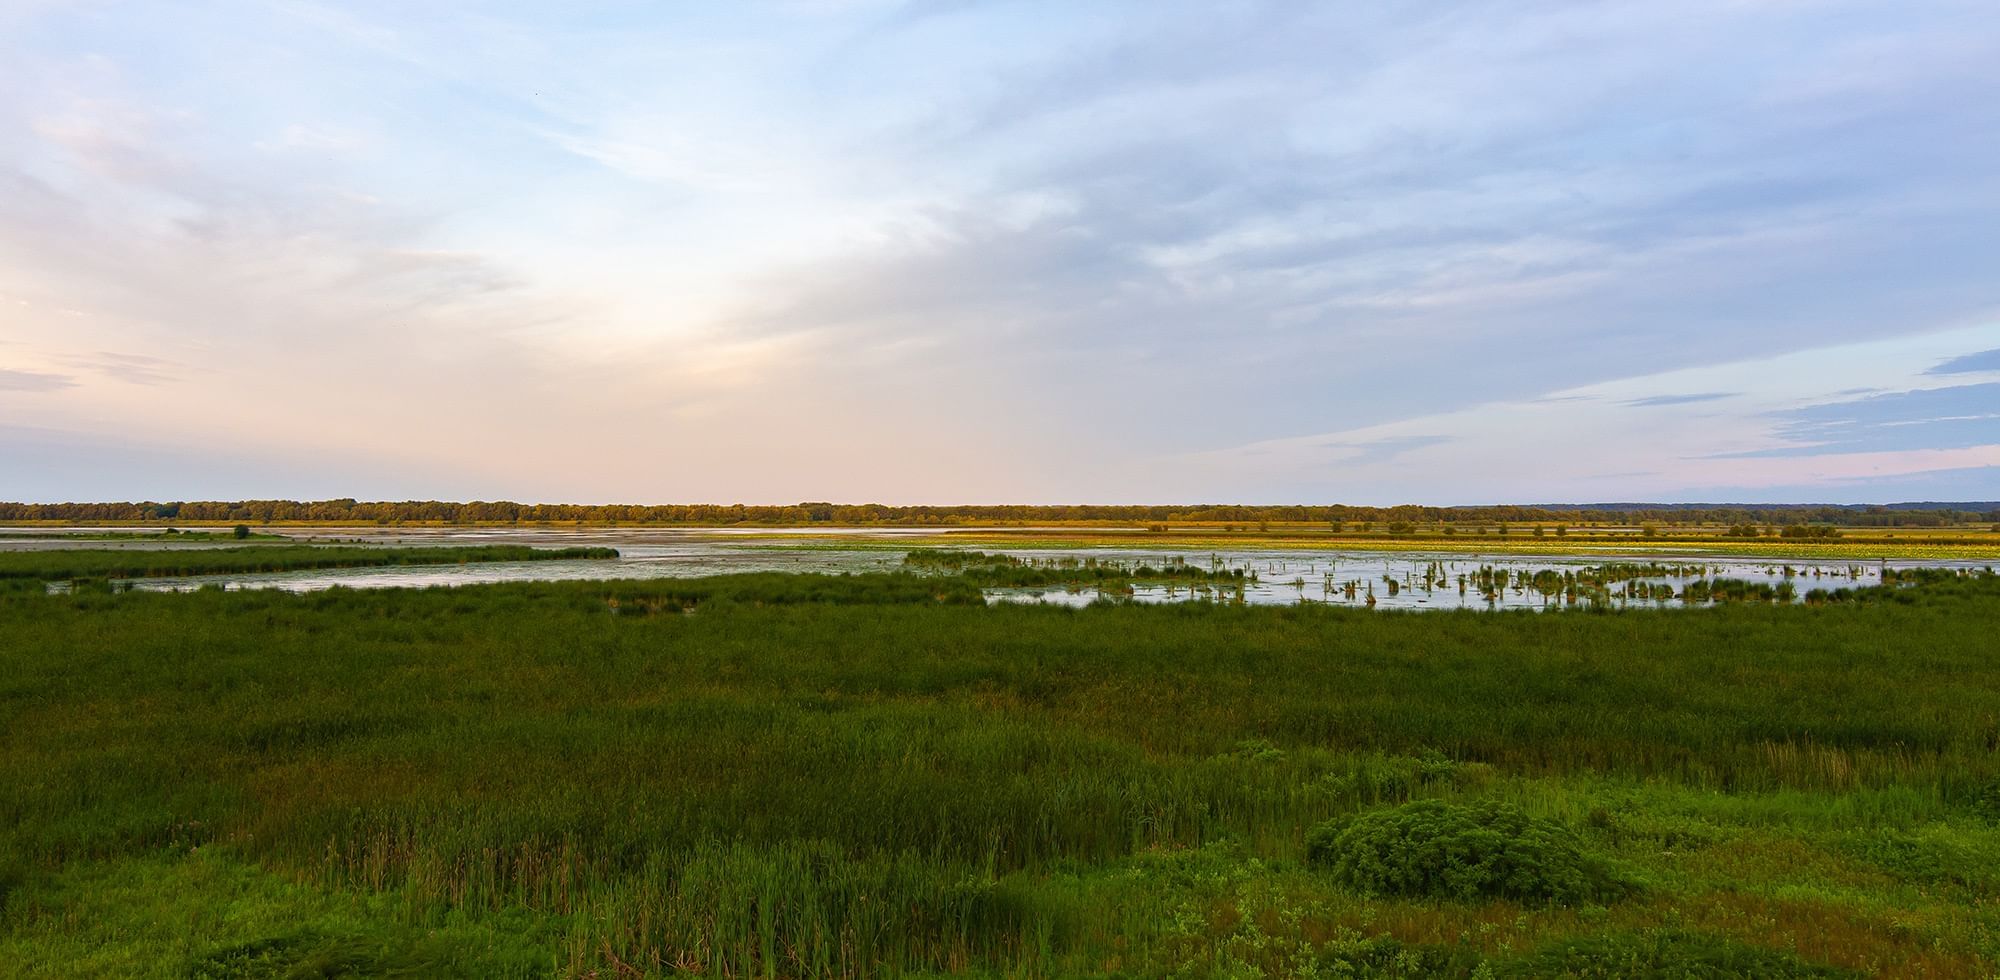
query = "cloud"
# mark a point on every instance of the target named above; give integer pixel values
(51, 464)
(1008, 249)
(1959, 417)
(1658, 400)
(1803, 428)
(1983, 361)
(1355, 223)
(11, 380)
(138, 369)
(1383, 450)
(1970, 484)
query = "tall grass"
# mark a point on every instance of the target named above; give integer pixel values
(770, 775)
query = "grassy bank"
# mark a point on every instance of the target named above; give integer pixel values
(826, 776)
(171, 535)
(1904, 546)
(79, 563)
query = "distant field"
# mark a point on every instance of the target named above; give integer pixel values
(775, 775)
(1962, 541)
(56, 565)
(1928, 544)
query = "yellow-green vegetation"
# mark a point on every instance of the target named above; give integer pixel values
(1915, 532)
(773, 775)
(81, 563)
(1905, 546)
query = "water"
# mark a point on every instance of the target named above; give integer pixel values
(1459, 581)
(1271, 576)
(644, 553)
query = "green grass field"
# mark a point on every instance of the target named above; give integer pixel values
(772, 775)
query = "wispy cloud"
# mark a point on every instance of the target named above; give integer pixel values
(138, 369)
(1655, 401)
(1982, 361)
(12, 380)
(1563, 446)
(1933, 418)
(1382, 450)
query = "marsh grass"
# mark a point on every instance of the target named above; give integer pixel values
(776, 775)
(1000, 571)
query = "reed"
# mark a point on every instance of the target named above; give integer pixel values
(880, 775)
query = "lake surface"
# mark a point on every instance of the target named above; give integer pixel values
(1382, 580)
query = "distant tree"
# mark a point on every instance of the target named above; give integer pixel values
(241, 531)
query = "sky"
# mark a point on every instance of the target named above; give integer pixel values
(1000, 252)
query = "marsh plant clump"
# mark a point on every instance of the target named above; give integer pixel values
(1014, 571)
(1436, 849)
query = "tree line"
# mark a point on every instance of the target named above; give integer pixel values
(351, 511)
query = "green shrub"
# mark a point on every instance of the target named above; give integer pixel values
(1445, 850)
(1664, 954)
(1986, 803)
(1933, 855)
(1258, 750)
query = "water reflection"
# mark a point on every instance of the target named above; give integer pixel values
(1360, 579)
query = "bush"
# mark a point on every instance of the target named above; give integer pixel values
(1445, 850)
(1664, 954)
(1986, 803)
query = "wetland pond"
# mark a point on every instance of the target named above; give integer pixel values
(1250, 575)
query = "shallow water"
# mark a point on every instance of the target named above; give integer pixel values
(1272, 577)
(1454, 581)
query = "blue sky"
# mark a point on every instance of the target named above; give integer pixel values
(1000, 251)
